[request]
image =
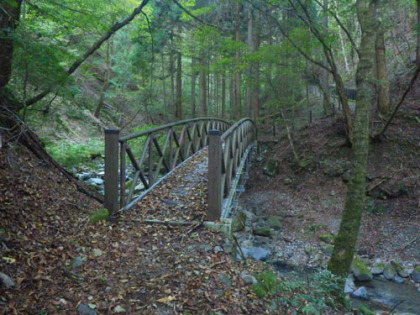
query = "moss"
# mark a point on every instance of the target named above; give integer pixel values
(327, 238)
(99, 215)
(275, 222)
(262, 231)
(360, 270)
(238, 222)
(417, 269)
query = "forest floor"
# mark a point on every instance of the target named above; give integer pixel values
(311, 198)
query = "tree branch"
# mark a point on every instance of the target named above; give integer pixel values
(195, 17)
(117, 26)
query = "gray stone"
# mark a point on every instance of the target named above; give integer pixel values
(97, 252)
(225, 279)
(360, 271)
(140, 187)
(218, 249)
(84, 176)
(389, 272)
(85, 309)
(415, 275)
(349, 286)
(327, 249)
(399, 269)
(361, 293)
(238, 222)
(77, 262)
(257, 253)
(287, 181)
(327, 238)
(95, 181)
(7, 281)
(398, 280)
(247, 278)
(119, 309)
(377, 269)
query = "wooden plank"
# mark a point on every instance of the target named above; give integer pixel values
(214, 209)
(111, 169)
(151, 179)
(122, 173)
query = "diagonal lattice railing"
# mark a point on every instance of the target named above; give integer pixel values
(149, 155)
(228, 158)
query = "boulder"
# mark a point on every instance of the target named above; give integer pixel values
(327, 238)
(275, 222)
(377, 269)
(360, 270)
(389, 271)
(272, 167)
(415, 275)
(247, 278)
(257, 253)
(238, 222)
(401, 271)
(361, 293)
(349, 286)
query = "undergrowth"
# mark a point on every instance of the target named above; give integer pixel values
(99, 215)
(315, 296)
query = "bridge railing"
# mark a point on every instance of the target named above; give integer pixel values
(228, 154)
(162, 149)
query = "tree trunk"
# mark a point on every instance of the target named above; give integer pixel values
(105, 85)
(9, 19)
(384, 102)
(256, 71)
(178, 100)
(418, 34)
(238, 105)
(171, 75)
(326, 103)
(193, 81)
(224, 95)
(345, 243)
(202, 86)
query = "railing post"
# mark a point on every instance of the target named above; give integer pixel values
(214, 176)
(111, 169)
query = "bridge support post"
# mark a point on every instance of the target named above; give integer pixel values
(111, 169)
(215, 197)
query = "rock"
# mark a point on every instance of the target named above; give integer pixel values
(97, 252)
(287, 181)
(399, 269)
(140, 187)
(225, 279)
(398, 280)
(218, 249)
(332, 193)
(119, 309)
(346, 176)
(85, 309)
(262, 231)
(309, 250)
(84, 176)
(327, 249)
(77, 262)
(272, 167)
(377, 269)
(415, 275)
(257, 253)
(95, 181)
(238, 221)
(247, 244)
(349, 286)
(327, 238)
(361, 293)
(7, 281)
(247, 278)
(360, 271)
(389, 271)
(275, 222)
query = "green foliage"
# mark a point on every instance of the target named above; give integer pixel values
(322, 293)
(101, 214)
(70, 154)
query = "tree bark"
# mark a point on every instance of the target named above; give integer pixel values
(382, 82)
(345, 243)
(193, 82)
(224, 94)
(9, 20)
(178, 100)
(202, 86)
(418, 34)
(326, 103)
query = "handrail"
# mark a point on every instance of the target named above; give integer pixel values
(228, 154)
(159, 156)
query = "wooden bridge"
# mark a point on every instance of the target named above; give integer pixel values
(136, 163)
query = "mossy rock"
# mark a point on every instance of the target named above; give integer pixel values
(360, 270)
(275, 222)
(262, 231)
(327, 249)
(416, 274)
(272, 167)
(377, 269)
(399, 269)
(238, 221)
(327, 238)
(389, 271)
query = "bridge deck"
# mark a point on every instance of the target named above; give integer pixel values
(164, 268)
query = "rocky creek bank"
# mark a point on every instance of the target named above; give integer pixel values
(383, 285)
